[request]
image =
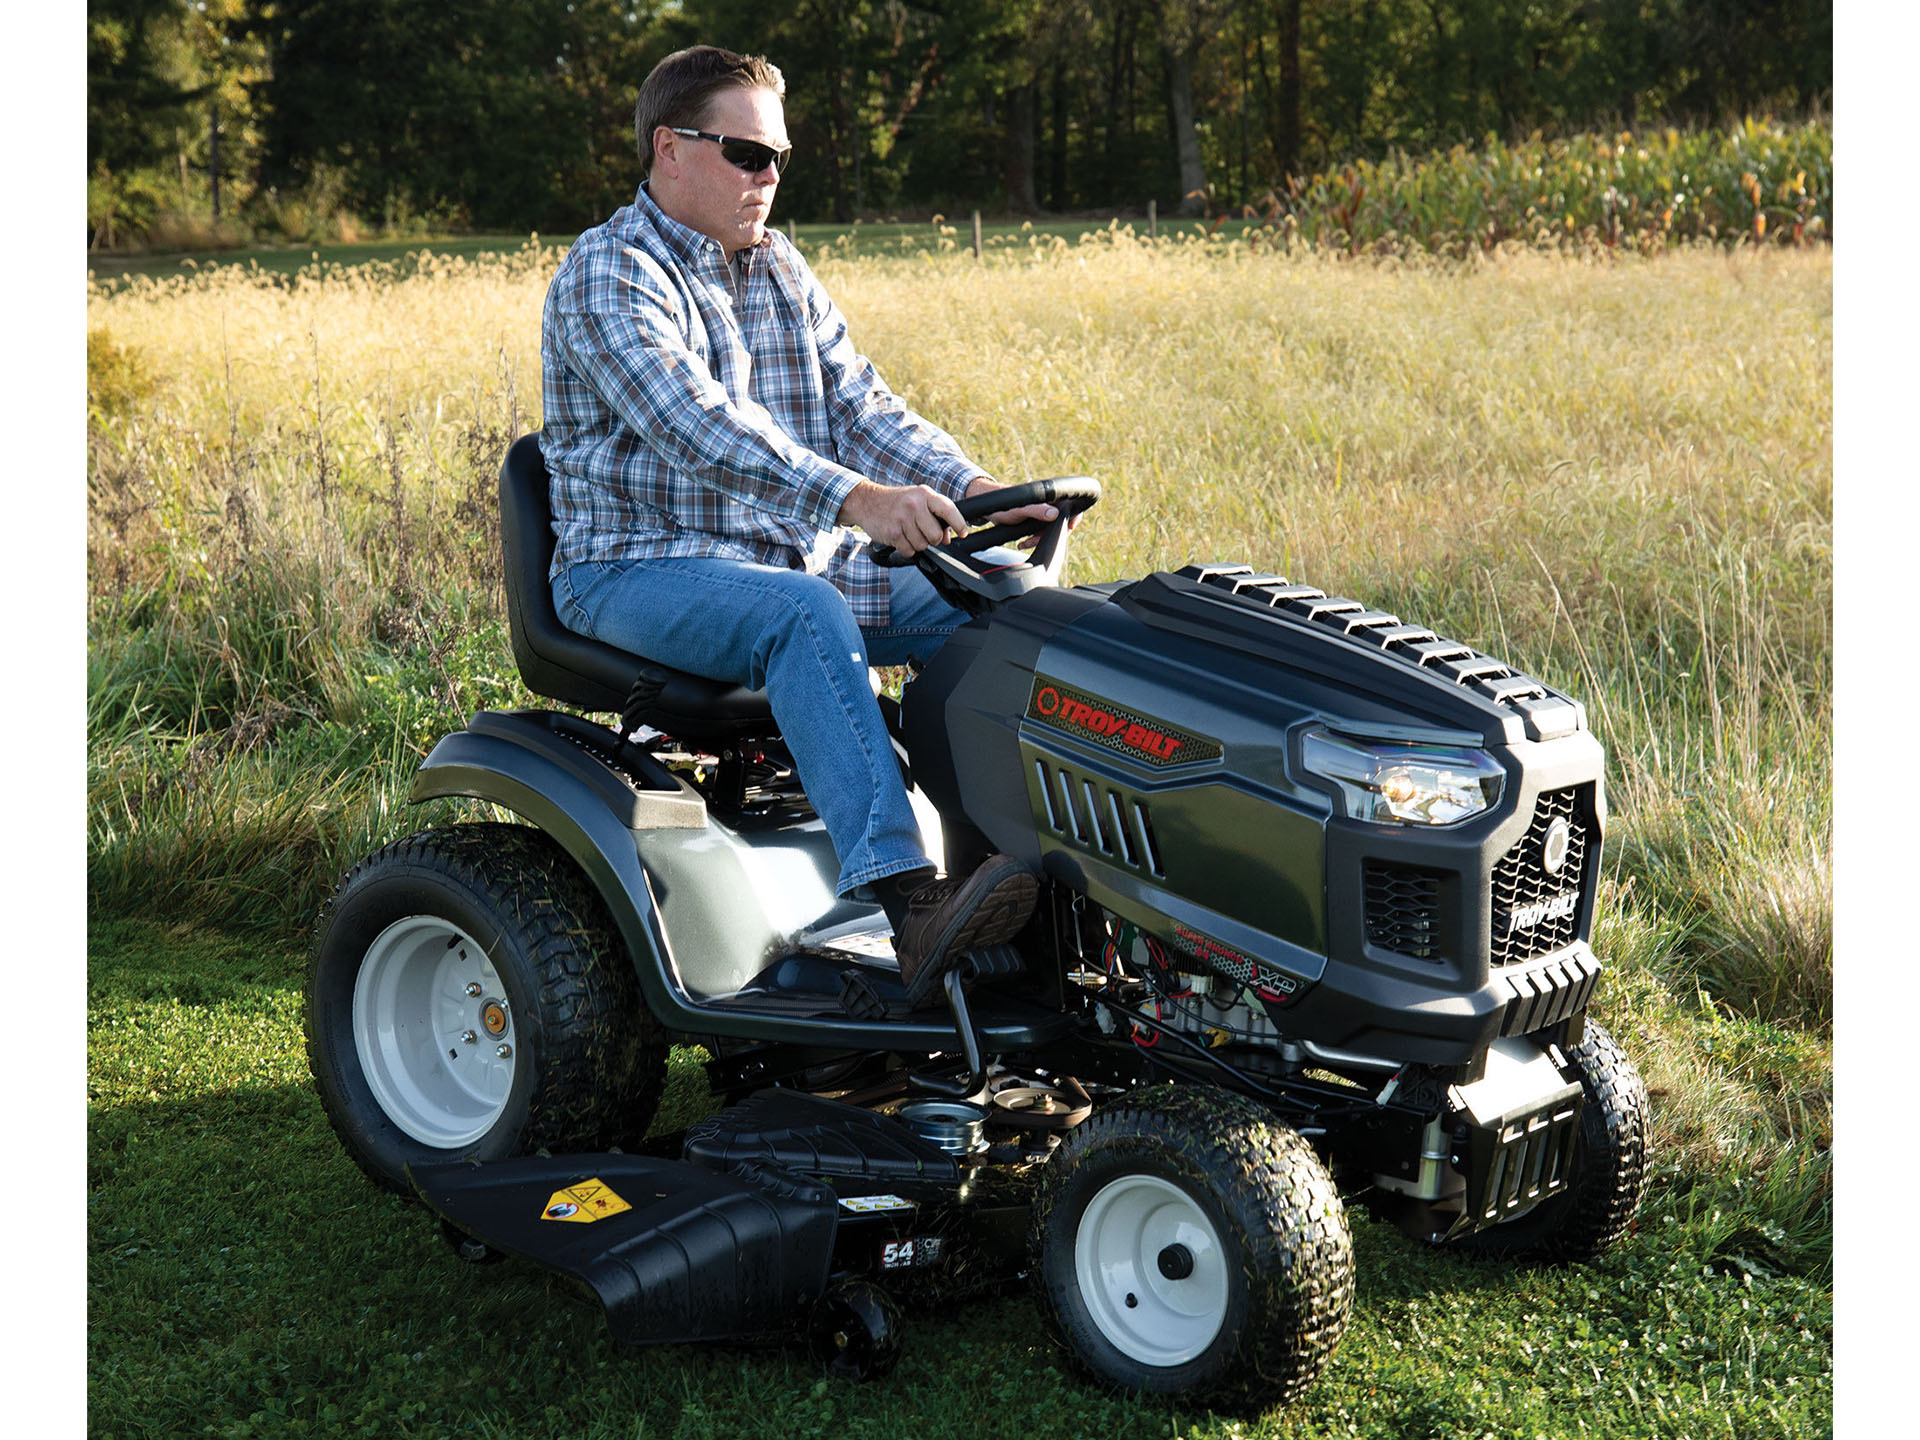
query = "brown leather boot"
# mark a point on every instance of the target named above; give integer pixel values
(948, 917)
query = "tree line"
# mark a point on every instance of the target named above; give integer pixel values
(238, 117)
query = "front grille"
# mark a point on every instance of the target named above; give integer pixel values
(1403, 909)
(1535, 912)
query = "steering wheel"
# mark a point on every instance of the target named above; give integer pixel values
(975, 581)
(1070, 494)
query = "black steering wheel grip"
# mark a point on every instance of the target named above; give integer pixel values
(1070, 493)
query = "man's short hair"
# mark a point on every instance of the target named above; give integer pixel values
(681, 86)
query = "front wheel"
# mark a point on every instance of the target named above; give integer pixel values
(1186, 1244)
(469, 998)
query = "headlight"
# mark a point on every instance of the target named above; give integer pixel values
(1411, 784)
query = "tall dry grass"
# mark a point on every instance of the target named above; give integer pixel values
(1617, 475)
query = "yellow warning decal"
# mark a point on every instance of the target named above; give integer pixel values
(584, 1203)
(873, 1204)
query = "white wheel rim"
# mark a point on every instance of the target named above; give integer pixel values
(421, 1006)
(1145, 1313)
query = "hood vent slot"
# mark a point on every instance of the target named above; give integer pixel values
(1095, 815)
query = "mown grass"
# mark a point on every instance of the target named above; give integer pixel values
(246, 1280)
(939, 235)
(1613, 472)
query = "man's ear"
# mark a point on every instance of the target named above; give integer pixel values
(665, 148)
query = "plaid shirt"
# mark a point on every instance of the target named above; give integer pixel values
(685, 416)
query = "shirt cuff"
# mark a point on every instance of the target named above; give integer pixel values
(828, 485)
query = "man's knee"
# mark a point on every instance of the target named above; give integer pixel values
(810, 614)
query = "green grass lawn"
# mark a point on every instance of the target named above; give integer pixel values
(290, 259)
(244, 1279)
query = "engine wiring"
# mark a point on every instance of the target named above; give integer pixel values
(1174, 998)
(1176, 1017)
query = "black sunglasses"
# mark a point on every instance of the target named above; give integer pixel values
(749, 155)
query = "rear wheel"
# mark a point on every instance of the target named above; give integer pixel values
(469, 997)
(1187, 1244)
(1610, 1167)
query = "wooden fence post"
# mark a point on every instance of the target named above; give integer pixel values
(976, 234)
(1153, 219)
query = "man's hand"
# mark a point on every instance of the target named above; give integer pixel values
(907, 517)
(983, 486)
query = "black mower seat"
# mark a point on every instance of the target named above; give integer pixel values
(588, 674)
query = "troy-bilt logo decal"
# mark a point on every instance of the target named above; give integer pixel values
(1140, 736)
(1554, 907)
(1276, 987)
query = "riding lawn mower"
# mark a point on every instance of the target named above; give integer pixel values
(1316, 893)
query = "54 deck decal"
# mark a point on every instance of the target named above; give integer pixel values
(584, 1203)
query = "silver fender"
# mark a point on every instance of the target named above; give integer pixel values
(630, 842)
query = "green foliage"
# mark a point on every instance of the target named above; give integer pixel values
(1417, 76)
(1755, 181)
(161, 76)
(143, 73)
(343, 117)
(520, 108)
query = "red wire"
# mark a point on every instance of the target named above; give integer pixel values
(1154, 1036)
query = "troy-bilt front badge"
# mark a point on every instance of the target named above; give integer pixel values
(584, 1203)
(1554, 907)
(1107, 725)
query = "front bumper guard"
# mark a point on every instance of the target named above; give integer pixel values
(1513, 1162)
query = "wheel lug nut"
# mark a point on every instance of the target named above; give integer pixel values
(467, 1037)
(504, 1051)
(473, 987)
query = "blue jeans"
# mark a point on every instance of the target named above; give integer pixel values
(791, 634)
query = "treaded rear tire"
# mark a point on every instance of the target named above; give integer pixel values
(589, 1061)
(1611, 1168)
(1281, 1282)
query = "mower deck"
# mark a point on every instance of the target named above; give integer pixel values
(773, 1200)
